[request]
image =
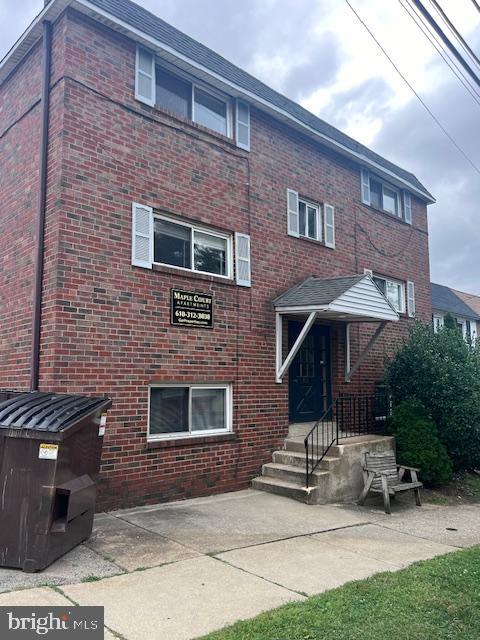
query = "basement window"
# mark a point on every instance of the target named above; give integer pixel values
(184, 411)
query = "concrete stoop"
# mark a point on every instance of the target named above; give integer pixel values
(338, 477)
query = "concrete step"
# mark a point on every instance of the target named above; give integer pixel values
(293, 474)
(283, 488)
(298, 444)
(301, 429)
(297, 459)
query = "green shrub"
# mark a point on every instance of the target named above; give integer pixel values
(418, 444)
(443, 371)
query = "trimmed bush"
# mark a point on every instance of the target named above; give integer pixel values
(443, 371)
(418, 444)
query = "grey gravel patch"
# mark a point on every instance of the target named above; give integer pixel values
(77, 565)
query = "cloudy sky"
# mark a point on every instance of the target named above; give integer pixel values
(317, 53)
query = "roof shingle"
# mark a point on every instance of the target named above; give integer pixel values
(316, 291)
(445, 299)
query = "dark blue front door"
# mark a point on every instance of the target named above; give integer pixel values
(309, 374)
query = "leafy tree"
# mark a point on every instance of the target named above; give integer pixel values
(418, 444)
(443, 372)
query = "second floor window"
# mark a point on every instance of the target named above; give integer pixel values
(189, 247)
(308, 220)
(394, 292)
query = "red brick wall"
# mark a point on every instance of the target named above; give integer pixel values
(19, 151)
(108, 325)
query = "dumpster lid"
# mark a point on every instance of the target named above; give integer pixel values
(43, 411)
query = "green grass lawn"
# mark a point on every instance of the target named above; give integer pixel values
(437, 599)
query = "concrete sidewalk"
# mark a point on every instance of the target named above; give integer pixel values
(180, 570)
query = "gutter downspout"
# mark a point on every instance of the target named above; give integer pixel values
(42, 200)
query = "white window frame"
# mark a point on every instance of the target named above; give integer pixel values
(227, 387)
(365, 186)
(195, 84)
(199, 229)
(396, 282)
(437, 322)
(220, 98)
(312, 205)
(399, 213)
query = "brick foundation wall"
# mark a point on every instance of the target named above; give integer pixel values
(107, 324)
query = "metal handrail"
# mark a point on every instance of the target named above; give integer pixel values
(347, 416)
(329, 435)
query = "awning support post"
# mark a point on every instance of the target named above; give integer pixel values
(351, 370)
(281, 369)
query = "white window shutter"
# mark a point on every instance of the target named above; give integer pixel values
(329, 225)
(365, 186)
(242, 127)
(142, 236)
(411, 299)
(243, 267)
(368, 272)
(407, 207)
(145, 76)
(292, 213)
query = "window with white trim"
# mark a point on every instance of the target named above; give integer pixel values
(393, 290)
(384, 196)
(307, 219)
(187, 246)
(165, 240)
(165, 86)
(437, 322)
(177, 411)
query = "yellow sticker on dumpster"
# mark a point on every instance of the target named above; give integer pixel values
(48, 451)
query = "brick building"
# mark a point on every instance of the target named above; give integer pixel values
(149, 170)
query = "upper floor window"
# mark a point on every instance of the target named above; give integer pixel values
(165, 240)
(306, 219)
(187, 98)
(381, 195)
(309, 220)
(190, 101)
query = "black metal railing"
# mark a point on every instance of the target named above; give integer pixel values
(347, 417)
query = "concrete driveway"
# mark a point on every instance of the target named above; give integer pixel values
(180, 570)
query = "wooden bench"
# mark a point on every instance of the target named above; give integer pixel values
(383, 475)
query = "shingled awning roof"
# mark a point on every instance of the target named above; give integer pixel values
(349, 298)
(346, 299)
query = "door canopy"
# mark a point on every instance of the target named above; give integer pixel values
(345, 299)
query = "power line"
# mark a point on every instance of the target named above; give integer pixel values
(476, 5)
(455, 31)
(425, 106)
(447, 42)
(456, 70)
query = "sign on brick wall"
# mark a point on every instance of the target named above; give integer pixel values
(191, 309)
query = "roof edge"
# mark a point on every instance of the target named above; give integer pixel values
(53, 9)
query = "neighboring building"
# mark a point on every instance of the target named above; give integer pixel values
(449, 301)
(172, 174)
